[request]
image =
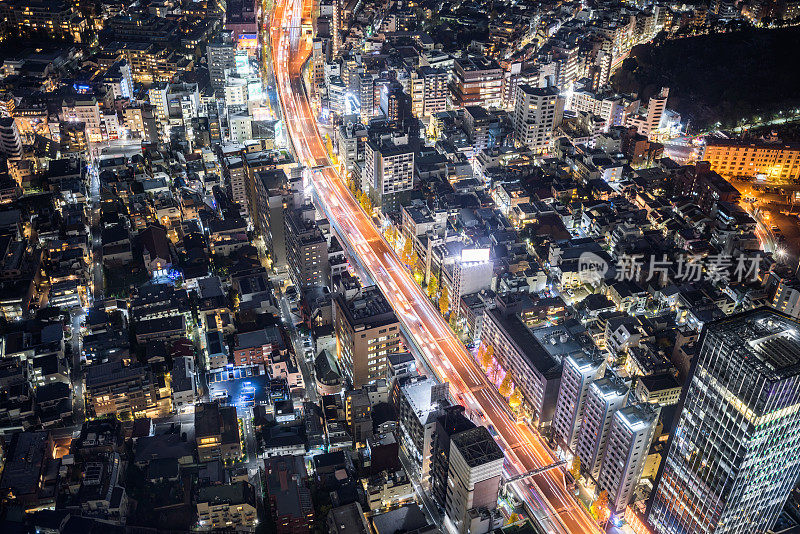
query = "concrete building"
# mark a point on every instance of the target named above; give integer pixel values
(216, 430)
(227, 506)
(351, 141)
(605, 397)
(476, 81)
(475, 470)
(732, 158)
(306, 251)
(418, 402)
(220, 55)
(537, 112)
(428, 91)
(112, 388)
(288, 495)
(184, 385)
(580, 371)
(451, 422)
(648, 122)
(732, 460)
(388, 169)
(470, 273)
(629, 440)
(367, 330)
(534, 371)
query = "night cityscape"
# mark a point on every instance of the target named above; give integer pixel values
(399, 267)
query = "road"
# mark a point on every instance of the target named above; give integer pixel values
(524, 447)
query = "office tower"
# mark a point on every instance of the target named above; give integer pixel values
(735, 453)
(537, 112)
(428, 91)
(632, 430)
(388, 169)
(418, 401)
(476, 81)
(220, 55)
(367, 331)
(10, 142)
(306, 251)
(605, 397)
(451, 422)
(580, 371)
(475, 469)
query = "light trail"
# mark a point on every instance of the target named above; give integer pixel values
(524, 448)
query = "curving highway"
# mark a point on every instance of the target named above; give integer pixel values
(525, 450)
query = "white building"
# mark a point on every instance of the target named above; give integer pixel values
(605, 397)
(240, 127)
(580, 371)
(632, 430)
(648, 122)
(470, 274)
(428, 91)
(388, 166)
(473, 477)
(537, 112)
(184, 385)
(235, 93)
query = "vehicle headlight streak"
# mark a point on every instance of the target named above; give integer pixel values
(422, 323)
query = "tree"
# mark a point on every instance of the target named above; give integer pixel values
(433, 286)
(444, 301)
(488, 355)
(576, 468)
(506, 385)
(513, 518)
(600, 506)
(408, 249)
(391, 235)
(516, 398)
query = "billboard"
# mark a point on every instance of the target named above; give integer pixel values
(474, 254)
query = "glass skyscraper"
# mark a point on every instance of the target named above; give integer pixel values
(735, 453)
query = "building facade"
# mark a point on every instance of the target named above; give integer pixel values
(734, 456)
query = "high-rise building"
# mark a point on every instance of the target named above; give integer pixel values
(475, 470)
(605, 397)
(428, 91)
(734, 455)
(10, 141)
(629, 439)
(367, 331)
(476, 81)
(451, 422)
(537, 112)
(388, 168)
(647, 122)
(306, 251)
(418, 401)
(580, 371)
(220, 55)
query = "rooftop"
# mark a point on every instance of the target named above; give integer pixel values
(477, 446)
